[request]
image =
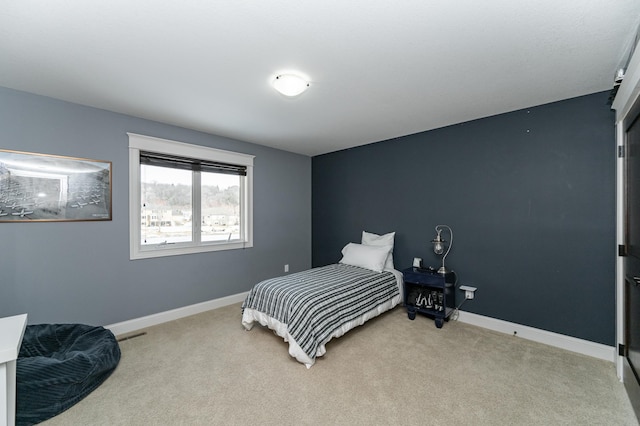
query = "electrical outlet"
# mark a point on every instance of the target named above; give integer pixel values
(286, 268)
(469, 292)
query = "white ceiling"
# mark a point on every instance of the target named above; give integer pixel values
(379, 69)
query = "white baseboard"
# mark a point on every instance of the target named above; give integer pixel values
(136, 324)
(562, 341)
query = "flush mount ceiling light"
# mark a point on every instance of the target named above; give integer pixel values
(290, 84)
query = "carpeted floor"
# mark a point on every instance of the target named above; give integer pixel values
(207, 370)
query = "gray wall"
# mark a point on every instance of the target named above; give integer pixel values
(81, 272)
(530, 196)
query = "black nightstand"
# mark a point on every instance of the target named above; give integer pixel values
(430, 293)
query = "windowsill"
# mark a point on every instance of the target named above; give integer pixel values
(155, 251)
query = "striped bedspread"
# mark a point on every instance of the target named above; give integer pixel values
(314, 303)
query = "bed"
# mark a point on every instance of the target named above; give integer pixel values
(309, 308)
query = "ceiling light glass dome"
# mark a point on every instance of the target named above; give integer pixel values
(290, 84)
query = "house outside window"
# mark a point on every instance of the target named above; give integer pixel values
(187, 198)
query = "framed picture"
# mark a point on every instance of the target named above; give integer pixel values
(40, 187)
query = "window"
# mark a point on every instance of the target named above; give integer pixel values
(187, 198)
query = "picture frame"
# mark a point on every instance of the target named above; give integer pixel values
(53, 188)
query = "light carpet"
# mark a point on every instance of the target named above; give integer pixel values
(207, 370)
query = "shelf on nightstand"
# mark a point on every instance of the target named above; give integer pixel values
(430, 293)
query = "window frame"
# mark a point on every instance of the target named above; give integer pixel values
(139, 143)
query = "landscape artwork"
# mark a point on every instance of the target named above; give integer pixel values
(41, 187)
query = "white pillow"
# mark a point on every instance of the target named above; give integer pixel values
(369, 257)
(386, 240)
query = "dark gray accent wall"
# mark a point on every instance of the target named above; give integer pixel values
(530, 196)
(81, 272)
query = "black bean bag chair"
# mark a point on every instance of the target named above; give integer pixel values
(58, 365)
